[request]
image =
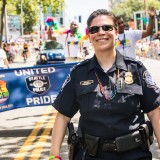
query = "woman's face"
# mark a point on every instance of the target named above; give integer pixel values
(101, 39)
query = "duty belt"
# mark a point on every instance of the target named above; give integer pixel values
(139, 138)
(123, 143)
(120, 144)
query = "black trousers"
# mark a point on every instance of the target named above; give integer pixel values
(136, 154)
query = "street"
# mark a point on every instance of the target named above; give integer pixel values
(25, 133)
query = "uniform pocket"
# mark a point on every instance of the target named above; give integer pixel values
(131, 89)
(127, 99)
(86, 96)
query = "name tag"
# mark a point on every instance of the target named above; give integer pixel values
(85, 83)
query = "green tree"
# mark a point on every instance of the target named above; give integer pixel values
(128, 7)
(31, 10)
(29, 16)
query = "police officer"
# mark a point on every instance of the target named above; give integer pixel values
(112, 93)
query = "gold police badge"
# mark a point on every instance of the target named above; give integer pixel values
(128, 78)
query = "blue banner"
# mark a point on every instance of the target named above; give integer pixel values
(31, 86)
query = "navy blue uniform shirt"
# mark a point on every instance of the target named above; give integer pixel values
(136, 94)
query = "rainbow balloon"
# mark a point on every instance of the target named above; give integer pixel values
(50, 21)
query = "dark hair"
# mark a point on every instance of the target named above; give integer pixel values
(118, 17)
(100, 12)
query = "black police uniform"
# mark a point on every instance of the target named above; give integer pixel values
(109, 119)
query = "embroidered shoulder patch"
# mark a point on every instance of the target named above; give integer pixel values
(148, 79)
(66, 81)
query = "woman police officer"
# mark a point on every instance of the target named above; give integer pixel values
(112, 93)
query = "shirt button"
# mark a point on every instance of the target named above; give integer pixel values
(130, 91)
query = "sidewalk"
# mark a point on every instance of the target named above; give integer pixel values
(153, 66)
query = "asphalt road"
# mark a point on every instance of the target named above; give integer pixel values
(25, 133)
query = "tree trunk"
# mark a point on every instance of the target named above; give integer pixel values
(2, 20)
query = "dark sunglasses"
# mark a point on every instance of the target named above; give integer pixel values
(95, 29)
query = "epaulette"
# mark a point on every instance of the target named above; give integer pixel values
(80, 64)
(133, 60)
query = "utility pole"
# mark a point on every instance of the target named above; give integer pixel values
(21, 17)
(145, 11)
(6, 24)
(41, 21)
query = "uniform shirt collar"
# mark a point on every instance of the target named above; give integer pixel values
(94, 64)
(119, 63)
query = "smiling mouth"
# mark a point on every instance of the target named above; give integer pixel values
(102, 39)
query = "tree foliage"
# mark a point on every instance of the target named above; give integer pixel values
(29, 14)
(31, 11)
(128, 7)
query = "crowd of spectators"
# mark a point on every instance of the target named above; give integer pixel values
(148, 48)
(15, 49)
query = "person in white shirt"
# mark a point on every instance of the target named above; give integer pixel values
(3, 59)
(71, 42)
(127, 39)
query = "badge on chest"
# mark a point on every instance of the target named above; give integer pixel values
(128, 78)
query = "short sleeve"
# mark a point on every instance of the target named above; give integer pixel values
(65, 102)
(3, 54)
(151, 92)
(136, 34)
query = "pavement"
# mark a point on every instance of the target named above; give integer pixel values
(19, 62)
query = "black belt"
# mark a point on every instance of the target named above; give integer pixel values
(109, 146)
(139, 138)
(123, 143)
(120, 144)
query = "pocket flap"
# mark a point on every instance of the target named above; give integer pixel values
(130, 89)
(86, 89)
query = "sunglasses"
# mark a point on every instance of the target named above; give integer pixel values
(95, 29)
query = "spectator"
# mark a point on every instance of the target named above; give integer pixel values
(3, 59)
(71, 42)
(126, 40)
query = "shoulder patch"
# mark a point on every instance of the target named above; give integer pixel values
(149, 81)
(67, 80)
